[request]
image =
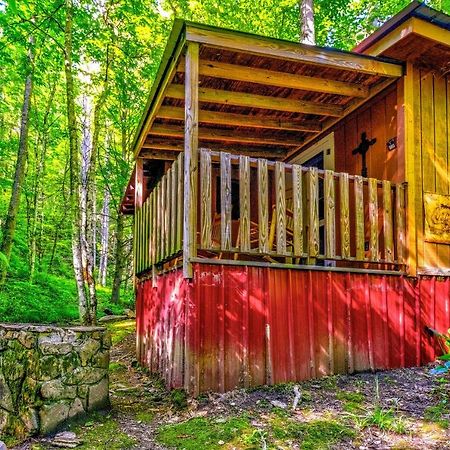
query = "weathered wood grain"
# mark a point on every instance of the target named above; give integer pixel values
(373, 219)
(400, 209)
(244, 203)
(297, 209)
(387, 222)
(263, 206)
(225, 201)
(280, 206)
(180, 199)
(359, 218)
(205, 198)
(173, 208)
(190, 96)
(313, 213)
(344, 215)
(330, 215)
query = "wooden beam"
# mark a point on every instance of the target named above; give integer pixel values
(248, 74)
(163, 155)
(152, 151)
(258, 101)
(242, 120)
(158, 98)
(139, 183)
(190, 93)
(308, 54)
(210, 134)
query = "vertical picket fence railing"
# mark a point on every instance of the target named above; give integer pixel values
(304, 214)
(158, 224)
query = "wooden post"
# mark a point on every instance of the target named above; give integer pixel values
(244, 201)
(263, 206)
(359, 218)
(344, 211)
(190, 157)
(205, 199)
(280, 206)
(313, 215)
(225, 201)
(138, 196)
(297, 196)
(330, 215)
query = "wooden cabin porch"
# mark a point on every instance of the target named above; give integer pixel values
(278, 199)
(257, 211)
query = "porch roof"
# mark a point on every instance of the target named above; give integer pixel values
(258, 96)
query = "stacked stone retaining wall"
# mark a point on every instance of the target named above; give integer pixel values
(49, 375)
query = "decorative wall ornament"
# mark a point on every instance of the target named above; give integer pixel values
(362, 149)
(437, 218)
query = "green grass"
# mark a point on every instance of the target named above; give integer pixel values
(351, 401)
(102, 432)
(120, 330)
(437, 414)
(202, 433)
(313, 435)
(50, 299)
(384, 419)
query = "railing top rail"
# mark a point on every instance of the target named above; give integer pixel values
(272, 164)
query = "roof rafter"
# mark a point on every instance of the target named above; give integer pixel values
(247, 74)
(222, 136)
(325, 57)
(258, 101)
(242, 120)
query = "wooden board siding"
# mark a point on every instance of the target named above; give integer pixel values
(379, 120)
(429, 157)
(248, 326)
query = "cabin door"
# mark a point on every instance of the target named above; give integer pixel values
(321, 156)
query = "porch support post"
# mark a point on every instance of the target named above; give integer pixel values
(138, 199)
(139, 183)
(190, 157)
(412, 159)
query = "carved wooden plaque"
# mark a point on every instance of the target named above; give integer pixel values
(437, 218)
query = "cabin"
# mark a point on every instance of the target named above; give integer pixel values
(292, 205)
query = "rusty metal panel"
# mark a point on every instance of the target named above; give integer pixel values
(246, 326)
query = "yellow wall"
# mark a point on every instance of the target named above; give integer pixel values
(428, 155)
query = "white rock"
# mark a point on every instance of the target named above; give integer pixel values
(278, 404)
(2, 446)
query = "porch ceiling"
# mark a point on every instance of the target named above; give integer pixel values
(257, 95)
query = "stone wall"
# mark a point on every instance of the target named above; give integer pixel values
(49, 375)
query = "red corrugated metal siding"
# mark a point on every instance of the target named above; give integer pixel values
(246, 326)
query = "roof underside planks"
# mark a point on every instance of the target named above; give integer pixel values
(258, 96)
(257, 92)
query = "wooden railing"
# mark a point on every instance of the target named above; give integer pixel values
(252, 208)
(159, 223)
(306, 214)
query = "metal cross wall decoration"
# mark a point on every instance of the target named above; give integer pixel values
(362, 149)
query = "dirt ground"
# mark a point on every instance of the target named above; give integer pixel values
(398, 409)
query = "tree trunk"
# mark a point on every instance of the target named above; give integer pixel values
(119, 253)
(104, 228)
(11, 217)
(307, 33)
(119, 256)
(74, 169)
(40, 170)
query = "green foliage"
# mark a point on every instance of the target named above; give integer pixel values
(384, 419)
(352, 401)
(99, 432)
(178, 397)
(312, 435)
(50, 299)
(202, 433)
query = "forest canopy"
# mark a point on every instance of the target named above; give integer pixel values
(74, 76)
